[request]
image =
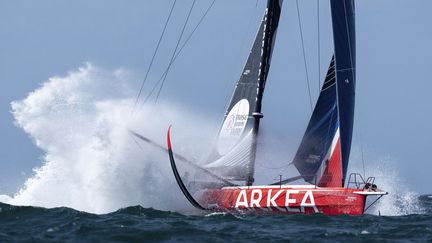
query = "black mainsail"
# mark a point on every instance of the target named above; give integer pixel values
(234, 154)
(322, 157)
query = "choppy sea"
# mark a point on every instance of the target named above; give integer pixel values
(138, 224)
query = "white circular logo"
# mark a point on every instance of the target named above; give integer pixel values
(233, 126)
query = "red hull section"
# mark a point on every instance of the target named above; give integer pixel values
(286, 200)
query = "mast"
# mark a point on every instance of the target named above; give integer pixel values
(271, 22)
(343, 20)
(233, 157)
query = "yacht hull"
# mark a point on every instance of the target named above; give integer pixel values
(286, 199)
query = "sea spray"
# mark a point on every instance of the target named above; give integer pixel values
(91, 161)
(401, 200)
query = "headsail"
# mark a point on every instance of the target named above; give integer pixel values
(322, 157)
(234, 155)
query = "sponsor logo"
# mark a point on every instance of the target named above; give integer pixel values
(233, 126)
(350, 199)
(312, 159)
(280, 199)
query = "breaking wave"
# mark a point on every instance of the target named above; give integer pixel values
(91, 162)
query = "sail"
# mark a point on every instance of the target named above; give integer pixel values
(321, 138)
(234, 153)
(322, 157)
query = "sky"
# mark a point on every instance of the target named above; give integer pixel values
(44, 39)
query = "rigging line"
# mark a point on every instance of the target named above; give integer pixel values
(363, 162)
(136, 142)
(304, 55)
(154, 55)
(175, 50)
(181, 48)
(281, 172)
(360, 135)
(284, 169)
(319, 47)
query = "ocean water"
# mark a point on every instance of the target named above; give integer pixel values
(138, 224)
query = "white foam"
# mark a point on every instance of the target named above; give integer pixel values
(401, 200)
(5, 198)
(91, 162)
(215, 214)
